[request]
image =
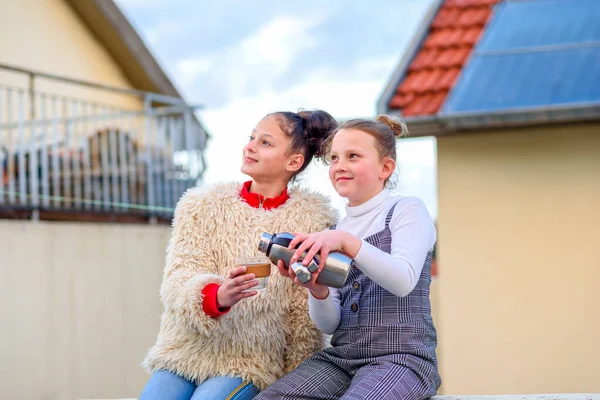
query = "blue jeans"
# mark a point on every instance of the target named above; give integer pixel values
(165, 385)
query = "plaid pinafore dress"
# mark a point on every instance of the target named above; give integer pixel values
(384, 347)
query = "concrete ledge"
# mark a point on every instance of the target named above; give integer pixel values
(559, 396)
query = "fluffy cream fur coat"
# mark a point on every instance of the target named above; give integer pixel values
(262, 337)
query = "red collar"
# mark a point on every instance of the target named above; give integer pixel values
(256, 200)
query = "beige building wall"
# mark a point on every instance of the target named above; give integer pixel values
(79, 307)
(47, 36)
(519, 218)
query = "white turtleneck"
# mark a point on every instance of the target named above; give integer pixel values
(413, 235)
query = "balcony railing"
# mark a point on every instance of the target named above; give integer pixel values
(76, 156)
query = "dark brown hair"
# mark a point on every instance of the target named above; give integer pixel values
(309, 131)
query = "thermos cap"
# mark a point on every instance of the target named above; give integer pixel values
(265, 240)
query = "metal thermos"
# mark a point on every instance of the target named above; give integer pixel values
(334, 273)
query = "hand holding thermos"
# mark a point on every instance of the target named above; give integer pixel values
(334, 269)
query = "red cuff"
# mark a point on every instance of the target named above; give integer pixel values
(209, 304)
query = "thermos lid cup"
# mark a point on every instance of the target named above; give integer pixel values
(264, 241)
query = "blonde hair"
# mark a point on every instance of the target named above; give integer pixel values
(385, 129)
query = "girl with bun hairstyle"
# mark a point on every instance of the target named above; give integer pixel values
(218, 338)
(384, 340)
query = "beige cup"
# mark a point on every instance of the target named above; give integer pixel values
(259, 266)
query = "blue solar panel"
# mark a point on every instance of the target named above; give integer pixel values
(533, 53)
(520, 24)
(496, 82)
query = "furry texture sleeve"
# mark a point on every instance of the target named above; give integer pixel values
(189, 267)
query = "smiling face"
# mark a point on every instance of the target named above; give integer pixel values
(357, 171)
(267, 154)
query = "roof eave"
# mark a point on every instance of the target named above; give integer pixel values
(445, 123)
(113, 30)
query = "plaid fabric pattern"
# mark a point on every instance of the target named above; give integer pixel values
(384, 347)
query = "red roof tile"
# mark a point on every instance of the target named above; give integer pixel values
(445, 50)
(469, 3)
(470, 35)
(402, 100)
(447, 80)
(424, 58)
(446, 18)
(452, 57)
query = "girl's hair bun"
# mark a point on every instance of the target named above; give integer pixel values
(397, 126)
(318, 126)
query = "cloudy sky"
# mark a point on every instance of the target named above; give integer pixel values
(243, 59)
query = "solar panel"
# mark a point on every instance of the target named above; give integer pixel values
(533, 53)
(522, 24)
(526, 80)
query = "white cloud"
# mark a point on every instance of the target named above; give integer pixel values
(278, 43)
(348, 94)
(166, 28)
(190, 68)
(257, 59)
